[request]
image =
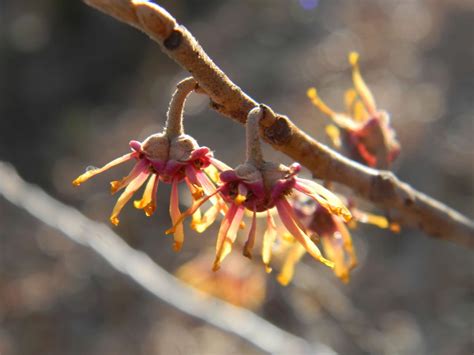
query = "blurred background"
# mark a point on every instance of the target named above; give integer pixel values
(76, 86)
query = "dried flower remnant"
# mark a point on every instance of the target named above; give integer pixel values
(333, 234)
(261, 186)
(170, 157)
(366, 131)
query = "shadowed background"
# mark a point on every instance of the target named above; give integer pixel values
(76, 86)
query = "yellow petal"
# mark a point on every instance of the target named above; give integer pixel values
(316, 100)
(175, 214)
(288, 269)
(120, 184)
(334, 252)
(287, 216)
(347, 241)
(324, 197)
(251, 238)
(148, 197)
(360, 113)
(227, 236)
(127, 195)
(190, 211)
(349, 100)
(201, 224)
(334, 134)
(360, 85)
(268, 240)
(90, 173)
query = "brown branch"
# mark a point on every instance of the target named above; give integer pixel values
(380, 187)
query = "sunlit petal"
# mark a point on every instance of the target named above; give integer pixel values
(349, 100)
(227, 236)
(147, 199)
(131, 188)
(334, 134)
(90, 173)
(251, 238)
(324, 197)
(120, 184)
(360, 85)
(268, 241)
(312, 94)
(190, 211)
(335, 252)
(175, 214)
(295, 254)
(288, 218)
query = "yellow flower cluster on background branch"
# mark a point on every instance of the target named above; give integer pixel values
(409, 206)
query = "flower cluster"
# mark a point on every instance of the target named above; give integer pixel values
(366, 132)
(300, 213)
(258, 186)
(170, 157)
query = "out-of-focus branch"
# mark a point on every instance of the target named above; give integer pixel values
(143, 270)
(380, 187)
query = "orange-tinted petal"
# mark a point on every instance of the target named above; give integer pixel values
(334, 134)
(200, 225)
(90, 173)
(350, 97)
(324, 197)
(347, 241)
(360, 113)
(268, 241)
(333, 248)
(147, 203)
(362, 89)
(175, 214)
(227, 236)
(316, 100)
(251, 238)
(190, 211)
(288, 269)
(287, 216)
(127, 195)
(120, 184)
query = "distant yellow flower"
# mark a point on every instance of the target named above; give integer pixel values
(242, 284)
(366, 131)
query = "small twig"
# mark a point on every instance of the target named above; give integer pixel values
(143, 270)
(380, 187)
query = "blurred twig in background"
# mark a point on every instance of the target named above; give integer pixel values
(380, 187)
(143, 270)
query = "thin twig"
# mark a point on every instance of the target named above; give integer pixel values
(380, 187)
(143, 270)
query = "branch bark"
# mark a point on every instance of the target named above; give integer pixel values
(382, 188)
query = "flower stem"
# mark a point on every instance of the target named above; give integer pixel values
(174, 121)
(254, 151)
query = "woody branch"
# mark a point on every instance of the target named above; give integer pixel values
(384, 189)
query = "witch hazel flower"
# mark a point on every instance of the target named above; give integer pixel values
(171, 157)
(332, 232)
(366, 132)
(259, 186)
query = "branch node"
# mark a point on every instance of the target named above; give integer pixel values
(279, 132)
(174, 40)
